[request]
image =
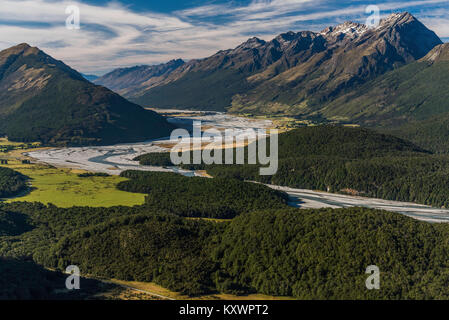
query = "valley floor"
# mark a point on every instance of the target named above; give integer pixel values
(113, 160)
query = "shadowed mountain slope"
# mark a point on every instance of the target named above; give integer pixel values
(42, 99)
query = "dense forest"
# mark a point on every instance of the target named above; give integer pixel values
(323, 254)
(168, 250)
(349, 160)
(128, 243)
(11, 182)
(418, 179)
(160, 159)
(13, 223)
(307, 254)
(264, 246)
(201, 197)
(433, 133)
(22, 278)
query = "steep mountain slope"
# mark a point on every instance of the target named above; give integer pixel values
(42, 99)
(294, 73)
(417, 91)
(411, 102)
(353, 55)
(139, 78)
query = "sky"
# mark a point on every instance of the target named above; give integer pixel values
(121, 33)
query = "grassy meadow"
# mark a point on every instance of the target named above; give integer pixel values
(63, 187)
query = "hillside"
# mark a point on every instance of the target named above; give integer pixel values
(291, 74)
(414, 92)
(42, 99)
(313, 254)
(306, 254)
(432, 133)
(25, 280)
(174, 249)
(412, 101)
(355, 161)
(200, 197)
(343, 142)
(323, 254)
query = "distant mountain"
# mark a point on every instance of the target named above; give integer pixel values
(42, 99)
(295, 73)
(135, 80)
(352, 55)
(90, 77)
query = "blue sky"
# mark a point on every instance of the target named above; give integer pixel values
(165, 6)
(124, 33)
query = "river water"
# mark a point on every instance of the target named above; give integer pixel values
(115, 159)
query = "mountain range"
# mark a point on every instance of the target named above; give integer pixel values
(42, 99)
(295, 73)
(392, 77)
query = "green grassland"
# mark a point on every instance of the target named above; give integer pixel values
(63, 188)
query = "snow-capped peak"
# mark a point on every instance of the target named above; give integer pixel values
(396, 18)
(351, 29)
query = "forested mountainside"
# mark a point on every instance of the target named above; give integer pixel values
(306, 254)
(411, 102)
(346, 160)
(353, 160)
